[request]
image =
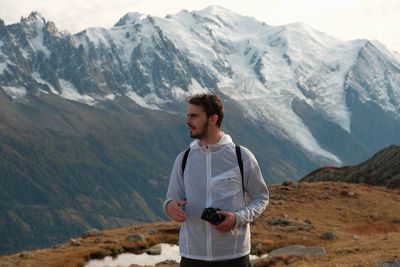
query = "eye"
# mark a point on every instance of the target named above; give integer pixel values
(192, 116)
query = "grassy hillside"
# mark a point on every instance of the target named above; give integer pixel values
(364, 219)
(67, 167)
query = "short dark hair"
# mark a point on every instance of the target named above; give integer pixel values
(211, 104)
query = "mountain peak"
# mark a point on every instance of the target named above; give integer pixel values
(34, 16)
(218, 11)
(131, 18)
(301, 26)
(304, 28)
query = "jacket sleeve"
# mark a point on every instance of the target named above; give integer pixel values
(255, 188)
(176, 189)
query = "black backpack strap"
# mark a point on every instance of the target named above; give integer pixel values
(240, 161)
(184, 160)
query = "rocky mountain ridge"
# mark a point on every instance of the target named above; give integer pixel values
(383, 169)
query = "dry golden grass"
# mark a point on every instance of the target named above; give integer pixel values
(365, 219)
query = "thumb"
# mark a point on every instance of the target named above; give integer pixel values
(225, 213)
(181, 202)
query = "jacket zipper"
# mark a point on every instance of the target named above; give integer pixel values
(209, 200)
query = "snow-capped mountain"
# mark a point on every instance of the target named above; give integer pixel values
(157, 62)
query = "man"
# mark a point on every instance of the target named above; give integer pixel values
(212, 178)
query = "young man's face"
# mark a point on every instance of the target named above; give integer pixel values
(197, 121)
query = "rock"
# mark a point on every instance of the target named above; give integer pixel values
(168, 263)
(171, 230)
(280, 221)
(292, 225)
(6, 264)
(286, 183)
(257, 249)
(291, 229)
(154, 250)
(110, 242)
(92, 232)
(25, 255)
(284, 220)
(150, 231)
(75, 242)
(120, 250)
(135, 237)
(109, 252)
(390, 263)
(348, 194)
(396, 221)
(307, 221)
(328, 236)
(290, 183)
(308, 227)
(298, 250)
(356, 237)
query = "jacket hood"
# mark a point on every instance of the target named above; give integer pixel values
(225, 140)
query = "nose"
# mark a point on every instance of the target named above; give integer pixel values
(188, 119)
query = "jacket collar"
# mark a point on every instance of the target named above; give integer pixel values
(225, 140)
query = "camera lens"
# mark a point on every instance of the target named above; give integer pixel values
(216, 218)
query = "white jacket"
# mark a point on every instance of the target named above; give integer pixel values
(212, 179)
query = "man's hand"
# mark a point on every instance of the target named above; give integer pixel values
(175, 211)
(228, 223)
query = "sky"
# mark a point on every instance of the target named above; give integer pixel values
(343, 19)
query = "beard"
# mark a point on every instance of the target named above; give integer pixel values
(202, 133)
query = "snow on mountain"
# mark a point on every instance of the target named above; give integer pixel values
(15, 92)
(3, 63)
(34, 24)
(157, 62)
(70, 92)
(381, 78)
(295, 56)
(39, 80)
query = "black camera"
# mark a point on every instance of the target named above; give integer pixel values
(210, 214)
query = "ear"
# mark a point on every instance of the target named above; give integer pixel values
(214, 118)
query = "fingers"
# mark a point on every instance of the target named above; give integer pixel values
(223, 227)
(175, 211)
(228, 223)
(181, 202)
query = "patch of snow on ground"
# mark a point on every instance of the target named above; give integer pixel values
(168, 252)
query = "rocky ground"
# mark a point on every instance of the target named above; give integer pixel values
(306, 224)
